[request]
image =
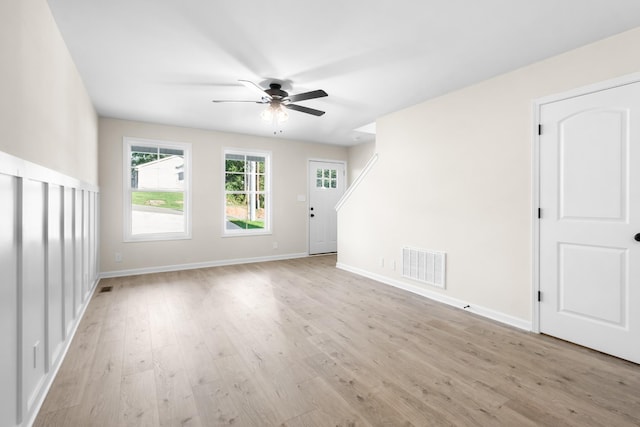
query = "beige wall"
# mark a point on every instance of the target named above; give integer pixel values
(454, 174)
(46, 116)
(359, 155)
(289, 179)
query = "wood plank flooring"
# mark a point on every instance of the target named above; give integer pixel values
(300, 343)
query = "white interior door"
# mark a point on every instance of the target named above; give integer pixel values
(590, 220)
(326, 186)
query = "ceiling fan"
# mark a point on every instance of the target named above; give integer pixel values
(279, 100)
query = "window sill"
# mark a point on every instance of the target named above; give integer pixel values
(156, 238)
(247, 234)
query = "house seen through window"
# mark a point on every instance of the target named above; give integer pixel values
(247, 194)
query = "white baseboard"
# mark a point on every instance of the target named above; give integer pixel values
(454, 302)
(195, 265)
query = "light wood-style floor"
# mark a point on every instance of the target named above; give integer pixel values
(300, 343)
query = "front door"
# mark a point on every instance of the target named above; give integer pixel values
(326, 186)
(590, 220)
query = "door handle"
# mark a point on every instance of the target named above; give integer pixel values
(312, 215)
(637, 237)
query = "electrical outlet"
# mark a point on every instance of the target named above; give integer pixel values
(118, 257)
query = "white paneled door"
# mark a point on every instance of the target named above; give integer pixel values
(590, 220)
(326, 186)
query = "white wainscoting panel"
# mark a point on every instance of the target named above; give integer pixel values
(33, 288)
(77, 252)
(48, 271)
(68, 260)
(55, 266)
(86, 215)
(8, 299)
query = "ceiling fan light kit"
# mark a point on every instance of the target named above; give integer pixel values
(275, 113)
(280, 101)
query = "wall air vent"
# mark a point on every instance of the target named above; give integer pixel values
(424, 266)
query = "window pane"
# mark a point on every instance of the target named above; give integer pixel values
(333, 183)
(333, 173)
(326, 173)
(157, 212)
(246, 213)
(318, 183)
(234, 182)
(326, 183)
(234, 165)
(260, 182)
(319, 173)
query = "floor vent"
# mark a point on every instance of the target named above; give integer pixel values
(424, 266)
(106, 289)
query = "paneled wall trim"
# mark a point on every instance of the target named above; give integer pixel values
(48, 270)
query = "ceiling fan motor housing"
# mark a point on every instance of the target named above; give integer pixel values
(275, 91)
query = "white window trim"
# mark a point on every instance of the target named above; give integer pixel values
(267, 190)
(127, 142)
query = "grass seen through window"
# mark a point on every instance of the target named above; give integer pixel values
(247, 224)
(166, 200)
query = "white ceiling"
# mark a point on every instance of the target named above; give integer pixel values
(163, 61)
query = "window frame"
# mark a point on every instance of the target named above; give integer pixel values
(268, 196)
(127, 143)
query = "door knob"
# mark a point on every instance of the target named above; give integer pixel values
(312, 215)
(637, 237)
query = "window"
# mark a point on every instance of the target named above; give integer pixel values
(156, 193)
(247, 193)
(326, 178)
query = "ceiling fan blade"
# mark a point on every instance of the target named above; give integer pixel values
(307, 95)
(304, 109)
(254, 87)
(218, 101)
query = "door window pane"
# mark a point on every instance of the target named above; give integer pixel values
(326, 178)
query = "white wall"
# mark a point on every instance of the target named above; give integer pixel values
(359, 155)
(289, 179)
(454, 174)
(46, 118)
